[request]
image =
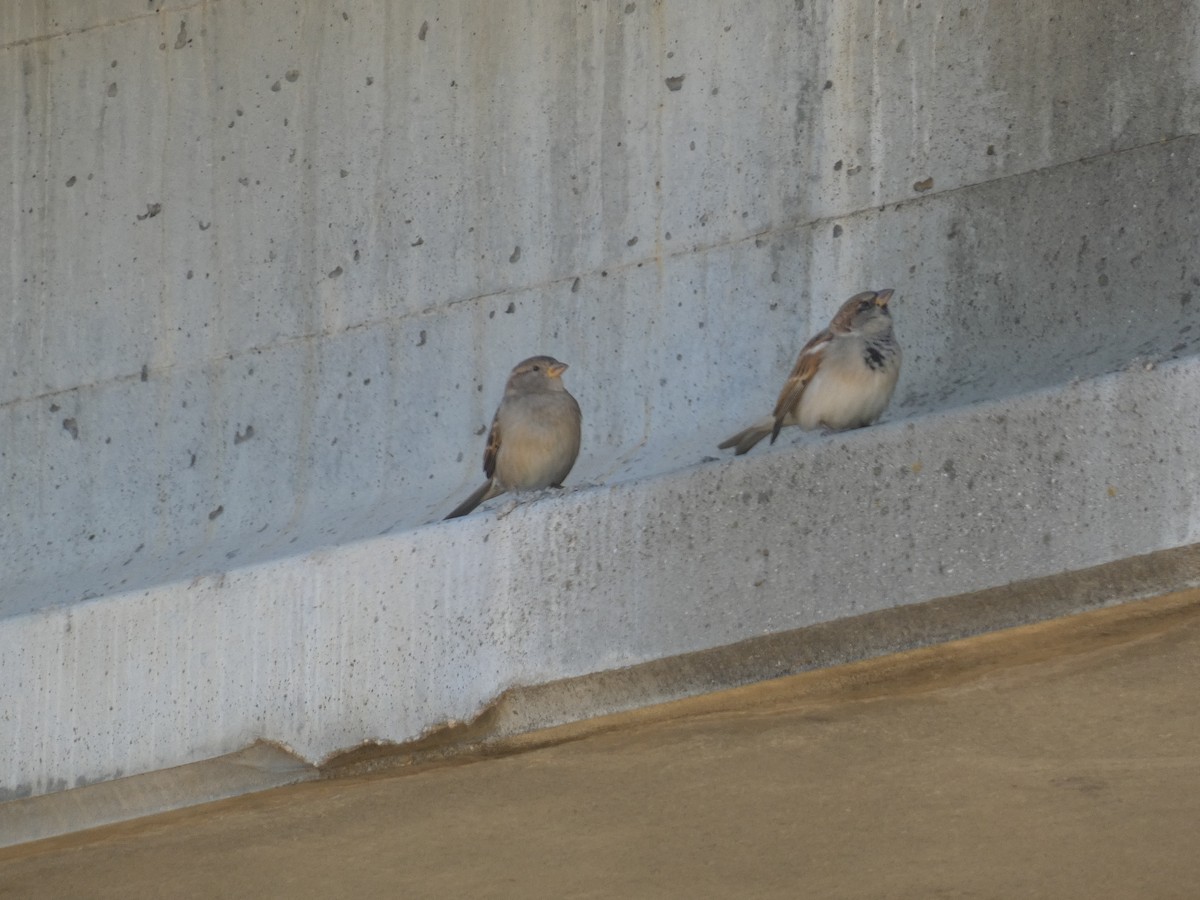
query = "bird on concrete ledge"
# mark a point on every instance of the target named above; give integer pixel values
(535, 434)
(843, 378)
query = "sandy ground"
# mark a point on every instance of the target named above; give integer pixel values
(1058, 760)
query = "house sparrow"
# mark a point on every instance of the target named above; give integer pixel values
(843, 378)
(535, 434)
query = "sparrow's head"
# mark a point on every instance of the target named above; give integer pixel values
(538, 373)
(865, 312)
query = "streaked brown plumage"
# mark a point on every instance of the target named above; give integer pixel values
(843, 378)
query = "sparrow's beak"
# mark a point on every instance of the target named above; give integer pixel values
(882, 297)
(556, 370)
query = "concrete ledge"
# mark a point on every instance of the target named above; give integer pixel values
(523, 710)
(525, 717)
(256, 768)
(390, 639)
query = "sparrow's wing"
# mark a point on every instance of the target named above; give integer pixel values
(802, 373)
(492, 449)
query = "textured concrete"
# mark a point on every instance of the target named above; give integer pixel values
(1055, 761)
(270, 262)
(529, 715)
(256, 768)
(385, 639)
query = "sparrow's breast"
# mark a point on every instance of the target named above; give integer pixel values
(539, 441)
(853, 385)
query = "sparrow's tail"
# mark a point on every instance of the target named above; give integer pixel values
(744, 440)
(483, 492)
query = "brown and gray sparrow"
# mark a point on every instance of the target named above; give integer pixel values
(843, 378)
(535, 434)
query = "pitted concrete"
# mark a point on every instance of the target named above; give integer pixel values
(270, 265)
(1051, 761)
(388, 638)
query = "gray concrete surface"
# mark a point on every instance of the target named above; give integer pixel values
(1055, 761)
(269, 264)
(527, 715)
(257, 768)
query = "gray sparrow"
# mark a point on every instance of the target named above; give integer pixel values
(843, 378)
(535, 434)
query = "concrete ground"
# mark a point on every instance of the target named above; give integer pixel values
(1055, 760)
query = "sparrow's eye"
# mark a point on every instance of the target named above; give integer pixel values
(537, 368)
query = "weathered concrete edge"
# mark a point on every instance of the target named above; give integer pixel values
(523, 710)
(512, 722)
(259, 767)
(320, 653)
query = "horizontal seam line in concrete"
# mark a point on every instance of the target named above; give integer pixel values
(1000, 179)
(441, 308)
(99, 26)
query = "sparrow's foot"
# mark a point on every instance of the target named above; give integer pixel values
(524, 498)
(507, 507)
(581, 486)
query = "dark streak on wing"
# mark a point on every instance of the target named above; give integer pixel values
(492, 450)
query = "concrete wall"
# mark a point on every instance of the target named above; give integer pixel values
(269, 264)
